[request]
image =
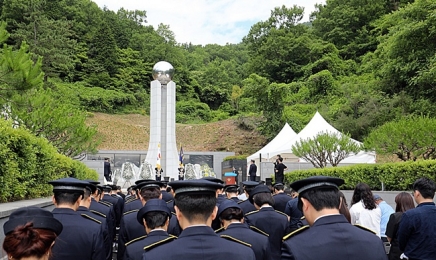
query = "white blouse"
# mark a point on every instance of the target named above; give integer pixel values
(365, 217)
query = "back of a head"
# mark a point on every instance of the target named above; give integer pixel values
(150, 193)
(66, 198)
(196, 206)
(404, 202)
(155, 219)
(279, 187)
(363, 193)
(232, 214)
(426, 187)
(263, 198)
(26, 241)
(322, 198)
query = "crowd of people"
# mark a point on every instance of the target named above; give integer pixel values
(205, 219)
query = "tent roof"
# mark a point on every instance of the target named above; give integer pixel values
(316, 125)
(269, 150)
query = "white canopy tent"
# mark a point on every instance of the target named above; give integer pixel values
(317, 125)
(269, 150)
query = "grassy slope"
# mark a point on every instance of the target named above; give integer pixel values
(131, 132)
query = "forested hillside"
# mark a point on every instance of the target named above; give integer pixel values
(359, 63)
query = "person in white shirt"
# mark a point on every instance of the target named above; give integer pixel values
(364, 211)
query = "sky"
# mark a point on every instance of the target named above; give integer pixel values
(208, 21)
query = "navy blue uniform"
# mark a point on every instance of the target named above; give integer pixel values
(235, 199)
(294, 213)
(107, 212)
(417, 232)
(259, 242)
(174, 227)
(247, 206)
(170, 205)
(115, 205)
(166, 196)
(135, 248)
(333, 238)
(107, 240)
(273, 223)
(200, 243)
(132, 205)
(280, 201)
(81, 237)
(129, 230)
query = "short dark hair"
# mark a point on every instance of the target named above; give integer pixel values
(232, 213)
(263, 198)
(252, 161)
(279, 187)
(155, 219)
(86, 194)
(426, 187)
(66, 198)
(249, 189)
(232, 190)
(322, 198)
(150, 193)
(281, 159)
(196, 206)
(168, 188)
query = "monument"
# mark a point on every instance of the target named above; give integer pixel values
(162, 149)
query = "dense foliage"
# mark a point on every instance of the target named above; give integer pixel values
(394, 176)
(29, 162)
(360, 64)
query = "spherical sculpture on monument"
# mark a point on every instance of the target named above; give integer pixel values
(163, 71)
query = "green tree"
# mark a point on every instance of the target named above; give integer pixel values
(410, 138)
(62, 124)
(18, 73)
(326, 148)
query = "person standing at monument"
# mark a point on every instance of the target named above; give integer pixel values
(107, 170)
(416, 234)
(280, 171)
(252, 171)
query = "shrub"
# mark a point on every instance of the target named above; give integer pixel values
(29, 162)
(395, 176)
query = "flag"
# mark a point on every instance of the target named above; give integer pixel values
(181, 156)
(158, 157)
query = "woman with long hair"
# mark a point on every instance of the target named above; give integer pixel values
(364, 211)
(404, 202)
(30, 234)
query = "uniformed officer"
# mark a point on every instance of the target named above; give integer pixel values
(129, 227)
(280, 197)
(82, 235)
(196, 208)
(246, 205)
(270, 221)
(220, 198)
(113, 200)
(294, 214)
(85, 203)
(103, 209)
(134, 202)
(232, 192)
(231, 216)
(166, 196)
(330, 236)
(155, 217)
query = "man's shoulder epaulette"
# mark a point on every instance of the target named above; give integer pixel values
(98, 213)
(239, 202)
(106, 203)
(136, 239)
(278, 211)
(235, 240)
(295, 232)
(91, 218)
(259, 231)
(158, 243)
(365, 228)
(219, 229)
(129, 200)
(174, 213)
(130, 211)
(169, 201)
(251, 212)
